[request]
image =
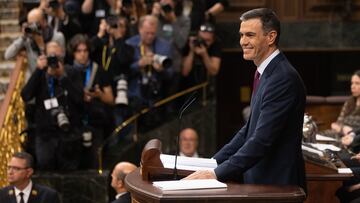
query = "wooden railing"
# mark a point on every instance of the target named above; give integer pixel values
(12, 118)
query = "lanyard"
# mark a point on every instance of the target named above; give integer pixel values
(147, 71)
(88, 74)
(51, 87)
(106, 62)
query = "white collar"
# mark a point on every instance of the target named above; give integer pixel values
(119, 195)
(26, 192)
(266, 62)
(194, 155)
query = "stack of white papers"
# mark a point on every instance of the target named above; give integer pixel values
(324, 138)
(188, 163)
(344, 170)
(322, 147)
(189, 184)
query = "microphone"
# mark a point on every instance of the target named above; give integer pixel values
(186, 105)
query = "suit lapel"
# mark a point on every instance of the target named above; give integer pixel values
(33, 194)
(267, 72)
(11, 195)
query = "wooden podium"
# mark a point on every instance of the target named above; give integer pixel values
(140, 186)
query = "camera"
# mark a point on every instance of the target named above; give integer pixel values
(121, 90)
(166, 8)
(163, 60)
(112, 21)
(198, 42)
(53, 61)
(61, 118)
(33, 28)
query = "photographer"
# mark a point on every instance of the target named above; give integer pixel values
(152, 63)
(114, 56)
(202, 57)
(175, 28)
(132, 10)
(63, 16)
(98, 98)
(36, 33)
(58, 94)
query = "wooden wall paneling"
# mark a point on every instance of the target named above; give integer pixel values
(287, 10)
(237, 7)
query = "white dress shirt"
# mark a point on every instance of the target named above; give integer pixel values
(26, 191)
(266, 62)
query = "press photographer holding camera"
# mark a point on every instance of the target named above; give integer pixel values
(202, 56)
(35, 34)
(115, 57)
(152, 62)
(58, 94)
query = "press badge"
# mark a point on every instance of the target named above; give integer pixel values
(51, 103)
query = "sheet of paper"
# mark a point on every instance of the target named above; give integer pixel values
(324, 138)
(311, 150)
(188, 163)
(189, 184)
(322, 147)
(344, 170)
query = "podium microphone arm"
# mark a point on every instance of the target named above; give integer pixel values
(191, 100)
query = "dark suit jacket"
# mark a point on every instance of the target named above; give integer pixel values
(125, 198)
(267, 150)
(38, 194)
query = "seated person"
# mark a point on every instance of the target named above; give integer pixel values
(20, 168)
(121, 170)
(350, 191)
(188, 143)
(349, 118)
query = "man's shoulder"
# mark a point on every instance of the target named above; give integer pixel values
(6, 193)
(42, 189)
(133, 41)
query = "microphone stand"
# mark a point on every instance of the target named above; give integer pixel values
(187, 103)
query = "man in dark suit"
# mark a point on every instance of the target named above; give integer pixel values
(21, 188)
(267, 150)
(118, 181)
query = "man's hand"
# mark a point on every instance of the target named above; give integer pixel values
(202, 174)
(41, 62)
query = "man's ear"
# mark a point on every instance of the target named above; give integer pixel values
(119, 184)
(30, 172)
(271, 37)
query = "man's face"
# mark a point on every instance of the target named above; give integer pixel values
(355, 86)
(81, 54)
(148, 32)
(208, 37)
(18, 172)
(253, 41)
(188, 142)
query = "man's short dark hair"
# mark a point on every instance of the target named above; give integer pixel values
(268, 19)
(27, 157)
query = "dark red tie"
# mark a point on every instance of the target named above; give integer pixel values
(256, 81)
